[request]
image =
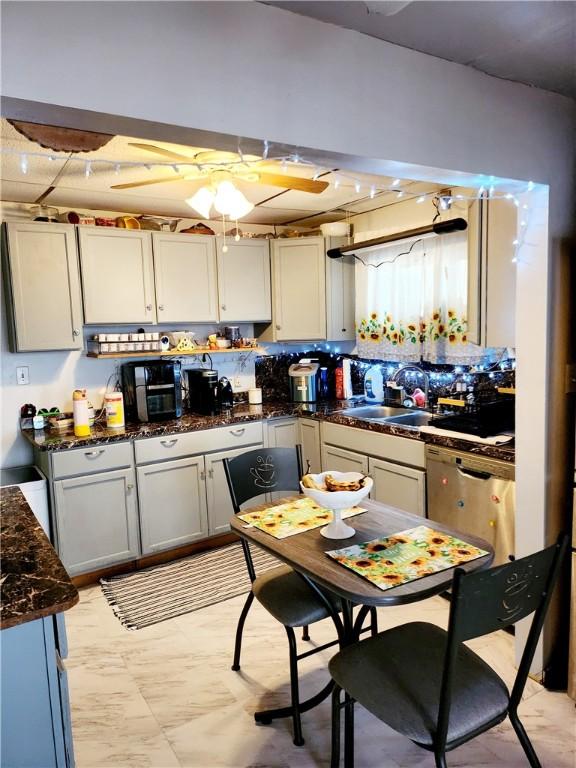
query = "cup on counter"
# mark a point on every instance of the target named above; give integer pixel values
(255, 396)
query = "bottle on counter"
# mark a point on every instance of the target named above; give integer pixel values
(114, 407)
(339, 381)
(80, 412)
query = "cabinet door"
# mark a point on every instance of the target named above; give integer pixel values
(310, 442)
(43, 286)
(282, 433)
(398, 486)
(299, 289)
(244, 281)
(117, 275)
(340, 297)
(220, 508)
(96, 520)
(343, 461)
(172, 503)
(185, 271)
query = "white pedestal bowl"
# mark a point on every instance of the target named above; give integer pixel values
(337, 501)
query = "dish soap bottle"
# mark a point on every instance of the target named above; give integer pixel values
(80, 409)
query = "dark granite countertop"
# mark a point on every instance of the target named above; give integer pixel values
(33, 581)
(48, 440)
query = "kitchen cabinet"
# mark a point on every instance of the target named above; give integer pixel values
(185, 272)
(282, 433)
(492, 229)
(398, 486)
(342, 460)
(172, 504)
(117, 275)
(96, 520)
(36, 727)
(340, 295)
(182, 489)
(244, 281)
(42, 284)
(396, 464)
(298, 290)
(310, 442)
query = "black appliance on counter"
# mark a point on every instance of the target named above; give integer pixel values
(483, 419)
(152, 390)
(203, 391)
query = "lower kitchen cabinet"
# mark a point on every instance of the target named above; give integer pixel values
(172, 500)
(310, 442)
(96, 520)
(398, 486)
(344, 461)
(220, 508)
(282, 433)
(36, 727)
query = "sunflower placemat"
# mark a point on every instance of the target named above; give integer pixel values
(405, 556)
(293, 517)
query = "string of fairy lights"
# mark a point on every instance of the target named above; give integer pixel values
(339, 180)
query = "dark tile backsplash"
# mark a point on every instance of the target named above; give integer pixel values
(272, 375)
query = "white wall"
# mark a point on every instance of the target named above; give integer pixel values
(251, 70)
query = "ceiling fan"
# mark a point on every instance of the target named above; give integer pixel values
(213, 167)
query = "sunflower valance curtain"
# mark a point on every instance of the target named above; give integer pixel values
(413, 305)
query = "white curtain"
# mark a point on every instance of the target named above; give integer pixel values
(413, 305)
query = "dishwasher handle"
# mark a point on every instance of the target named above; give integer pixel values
(474, 474)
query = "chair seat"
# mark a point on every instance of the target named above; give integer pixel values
(397, 677)
(289, 599)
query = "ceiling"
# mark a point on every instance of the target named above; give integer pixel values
(74, 189)
(527, 42)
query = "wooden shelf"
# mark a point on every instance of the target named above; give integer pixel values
(174, 353)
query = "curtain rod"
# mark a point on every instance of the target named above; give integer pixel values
(438, 228)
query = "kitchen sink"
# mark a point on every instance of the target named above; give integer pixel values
(376, 412)
(413, 419)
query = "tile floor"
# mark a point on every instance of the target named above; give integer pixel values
(166, 696)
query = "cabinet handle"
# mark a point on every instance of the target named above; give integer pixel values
(223, 307)
(202, 475)
(237, 432)
(161, 307)
(75, 332)
(93, 454)
(343, 330)
(211, 474)
(60, 663)
(148, 307)
(129, 486)
(169, 443)
(278, 327)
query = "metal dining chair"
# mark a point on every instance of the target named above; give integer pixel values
(290, 597)
(426, 684)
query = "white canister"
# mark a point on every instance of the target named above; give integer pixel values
(255, 396)
(114, 406)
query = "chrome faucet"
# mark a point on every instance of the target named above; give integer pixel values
(413, 367)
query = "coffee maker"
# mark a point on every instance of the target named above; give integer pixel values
(203, 391)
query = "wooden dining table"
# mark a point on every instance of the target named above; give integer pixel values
(305, 552)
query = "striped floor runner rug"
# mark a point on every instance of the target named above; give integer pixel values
(165, 591)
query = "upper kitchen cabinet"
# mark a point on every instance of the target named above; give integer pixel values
(492, 229)
(340, 295)
(117, 275)
(42, 286)
(185, 270)
(244, 281)
(298, 290)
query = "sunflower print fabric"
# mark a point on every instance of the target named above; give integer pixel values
(405, 556)
(294, 517)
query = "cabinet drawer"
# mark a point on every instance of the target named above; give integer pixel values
(83, 461)
(402, 450)
(203, 441)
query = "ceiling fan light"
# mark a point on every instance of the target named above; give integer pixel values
(202, 201)
(240, 206)
(225, 197)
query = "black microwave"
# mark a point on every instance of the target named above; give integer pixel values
(152, 390)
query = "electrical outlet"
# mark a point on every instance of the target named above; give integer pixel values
(237, 382)
(22, 375)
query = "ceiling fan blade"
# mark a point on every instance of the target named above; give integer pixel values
(164, 152)
(292, 182)
(131, 184)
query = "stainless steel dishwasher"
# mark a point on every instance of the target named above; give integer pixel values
(473, 494)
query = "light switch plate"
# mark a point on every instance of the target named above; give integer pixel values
(23, 375)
